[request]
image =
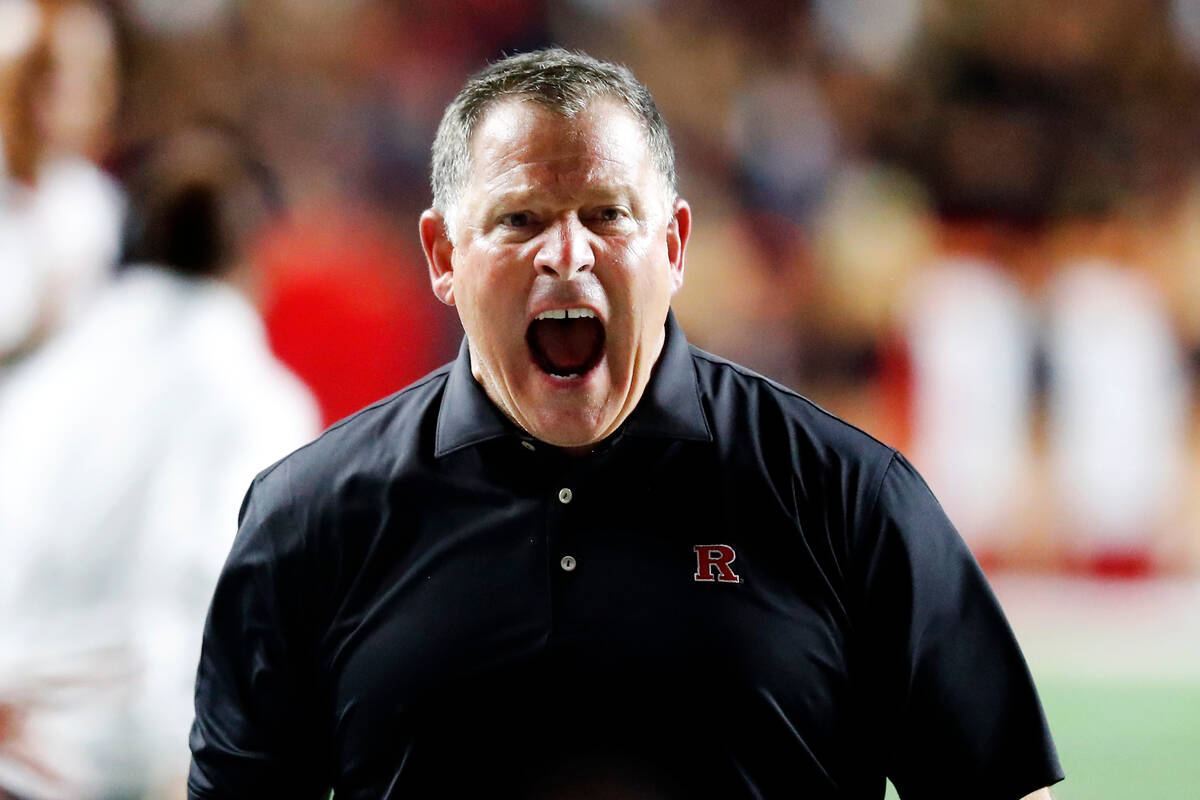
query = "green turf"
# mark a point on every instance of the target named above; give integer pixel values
(1121, 740)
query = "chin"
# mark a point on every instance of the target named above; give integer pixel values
(568, 436)
(569, 429)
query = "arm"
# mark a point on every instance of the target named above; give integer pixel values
(956, 705)
(260, 728)
(8, 722)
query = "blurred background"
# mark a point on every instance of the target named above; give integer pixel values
(970, 227)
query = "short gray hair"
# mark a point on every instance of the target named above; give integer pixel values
(560, 80)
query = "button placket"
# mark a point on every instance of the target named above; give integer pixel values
(568, 562)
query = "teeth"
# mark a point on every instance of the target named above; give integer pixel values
(567, 313)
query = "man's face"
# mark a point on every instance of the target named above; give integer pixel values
(566, 249)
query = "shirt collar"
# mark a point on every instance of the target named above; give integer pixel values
(670, 407)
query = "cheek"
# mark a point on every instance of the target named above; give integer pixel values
(656, 281)
(493, 290)
(639, 266)
(482, 274)
(639, 249)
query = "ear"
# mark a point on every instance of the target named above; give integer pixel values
(439, 254)
(678, 231)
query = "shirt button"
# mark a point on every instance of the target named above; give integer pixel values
(527, 445)
(564, 495)
(567, 563)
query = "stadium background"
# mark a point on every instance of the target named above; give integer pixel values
(966, 219)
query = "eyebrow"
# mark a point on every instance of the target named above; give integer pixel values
(591, 195)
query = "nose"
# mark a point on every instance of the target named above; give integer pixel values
(565, 249)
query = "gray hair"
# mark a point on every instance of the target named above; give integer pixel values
(560, 80)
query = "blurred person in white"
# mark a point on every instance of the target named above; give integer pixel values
(126, 443)
(971, 334)
(60, 214)
(1118, 414)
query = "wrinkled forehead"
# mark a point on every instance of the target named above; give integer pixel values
(522, 130)
(520, 138)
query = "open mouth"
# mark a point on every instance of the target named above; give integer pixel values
(566, 342)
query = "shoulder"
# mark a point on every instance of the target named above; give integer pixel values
(780, 427)
(370, 446)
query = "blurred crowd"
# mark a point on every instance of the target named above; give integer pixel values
(971, 227)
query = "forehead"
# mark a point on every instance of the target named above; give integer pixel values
(521, 144)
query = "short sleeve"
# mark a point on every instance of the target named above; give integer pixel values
(256, 732)
(956, 707)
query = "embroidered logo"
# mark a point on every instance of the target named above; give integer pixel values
(713, 563)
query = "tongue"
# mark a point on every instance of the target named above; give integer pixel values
(568, 346)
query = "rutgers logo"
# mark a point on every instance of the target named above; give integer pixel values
(712, 563)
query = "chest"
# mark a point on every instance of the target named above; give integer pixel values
(645, 597)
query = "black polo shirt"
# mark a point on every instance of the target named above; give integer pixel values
(735, 595)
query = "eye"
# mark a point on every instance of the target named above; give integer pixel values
(610, 215)
(518, 219)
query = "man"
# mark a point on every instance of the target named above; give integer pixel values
(586, 560)
(126, 442)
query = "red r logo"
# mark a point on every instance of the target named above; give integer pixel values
(712, 563)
